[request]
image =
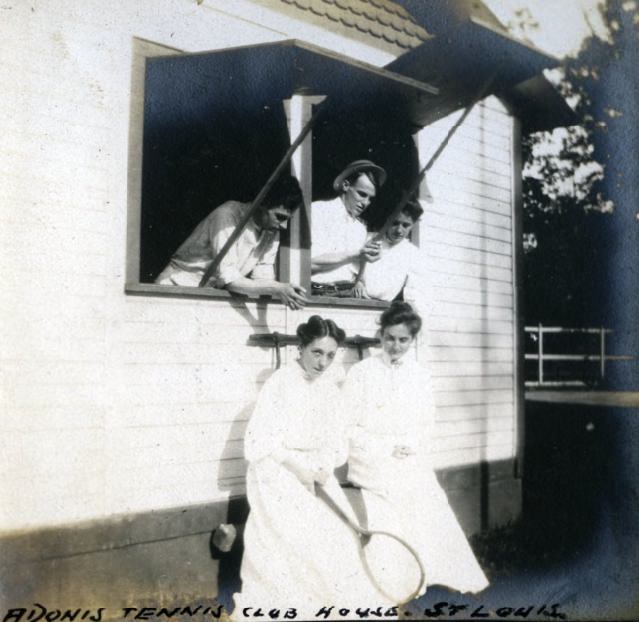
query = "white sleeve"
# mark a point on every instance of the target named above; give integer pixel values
(265, 430)
(354, 395)
(427, 410)
(417, 289)
(221, 226)
(336, 449)
(357, 402)
(321, 241)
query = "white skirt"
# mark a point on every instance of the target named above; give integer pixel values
(297, 552)
(409, 501)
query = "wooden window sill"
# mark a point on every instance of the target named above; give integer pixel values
(211, 293)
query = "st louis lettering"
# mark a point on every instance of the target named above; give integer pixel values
(450, 610)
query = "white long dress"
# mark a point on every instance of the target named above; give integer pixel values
(392, 407)
(297, 552)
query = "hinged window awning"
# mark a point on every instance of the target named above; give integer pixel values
(459, 61)
(539, 106)
(236, 80)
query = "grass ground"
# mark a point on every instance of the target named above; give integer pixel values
(519, 547)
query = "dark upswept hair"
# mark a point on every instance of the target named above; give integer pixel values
(318, 327)
(286, 192)
(413, 209)
(401, 313)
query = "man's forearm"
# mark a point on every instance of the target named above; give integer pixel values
(246, 285)
(328, 261)
(292, 295)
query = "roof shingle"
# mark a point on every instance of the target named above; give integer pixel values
(382, 19)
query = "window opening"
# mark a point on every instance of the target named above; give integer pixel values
(215, 132)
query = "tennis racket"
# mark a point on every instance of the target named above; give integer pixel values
(390, 562)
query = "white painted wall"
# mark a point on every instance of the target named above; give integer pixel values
(115, 403)
(466, 234)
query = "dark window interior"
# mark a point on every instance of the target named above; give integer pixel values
(348, 132)
(215, 129)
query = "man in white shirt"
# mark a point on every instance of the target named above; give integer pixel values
(400, 267)
(338, 236)
(249, 265)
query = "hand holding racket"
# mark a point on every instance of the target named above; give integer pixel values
(390, 562)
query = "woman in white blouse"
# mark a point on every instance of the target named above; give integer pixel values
(297, 552)
(391, 400)
(400, 267)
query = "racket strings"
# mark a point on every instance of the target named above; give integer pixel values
(393, 566)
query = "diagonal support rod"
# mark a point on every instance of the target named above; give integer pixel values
(406, 196)
(481, 93)
(258, 200)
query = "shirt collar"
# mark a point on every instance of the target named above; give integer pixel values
(347, 216)
(304, 373)
(252, 226)
(393, 364)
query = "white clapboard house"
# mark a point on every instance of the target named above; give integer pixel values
(123, 124)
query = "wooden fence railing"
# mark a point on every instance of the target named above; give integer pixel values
(543, 356)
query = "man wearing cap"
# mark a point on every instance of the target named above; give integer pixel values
(249, 265)
(338, 236)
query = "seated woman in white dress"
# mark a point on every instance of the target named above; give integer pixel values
(393, 414)
(297, 552)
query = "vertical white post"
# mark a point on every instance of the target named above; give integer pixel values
(295, 260)
(422, 193)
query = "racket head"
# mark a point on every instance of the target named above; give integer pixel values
(393, 566)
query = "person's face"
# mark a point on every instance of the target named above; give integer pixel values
(274, 218)
(357, 196)
(400, 228)
(396, 340)
(318, 355)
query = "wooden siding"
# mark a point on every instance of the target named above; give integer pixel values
(117, 403)
(112, 404)
(466, 234)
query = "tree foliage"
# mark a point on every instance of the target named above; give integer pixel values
(568, 201)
